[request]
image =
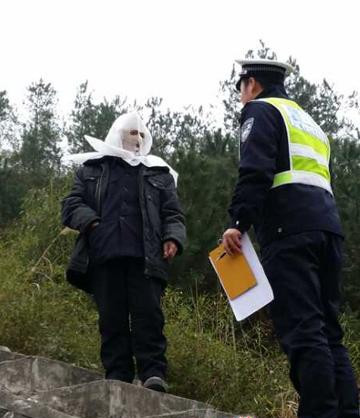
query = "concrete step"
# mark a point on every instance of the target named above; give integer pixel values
(37, 387)
(12, 406)
(29, 374)
(8, 355)
(115, 399)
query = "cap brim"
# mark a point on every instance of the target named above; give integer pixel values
(288, 68)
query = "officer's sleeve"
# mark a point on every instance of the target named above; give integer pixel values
(260, 132)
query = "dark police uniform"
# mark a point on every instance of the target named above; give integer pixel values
(300, 236)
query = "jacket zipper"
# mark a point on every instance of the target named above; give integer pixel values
(98, 191)
(142, 208)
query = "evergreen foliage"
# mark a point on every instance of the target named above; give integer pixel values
(40, 153)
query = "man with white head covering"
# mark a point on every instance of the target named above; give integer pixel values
(125, 206)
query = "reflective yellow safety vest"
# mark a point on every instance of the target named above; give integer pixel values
(309, 149)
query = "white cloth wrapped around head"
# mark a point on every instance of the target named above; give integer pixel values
(129, 139)
(127, 130)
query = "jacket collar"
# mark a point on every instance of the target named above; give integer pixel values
(275, 90)
(148, 171)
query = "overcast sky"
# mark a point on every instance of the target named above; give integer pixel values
(175, 49)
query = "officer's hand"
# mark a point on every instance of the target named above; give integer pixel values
(232, 241)
(170, 249)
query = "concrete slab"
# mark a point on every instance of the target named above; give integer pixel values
(8, 355)
(28, 375)
(37, 387)
(12, 406)
(115, 399)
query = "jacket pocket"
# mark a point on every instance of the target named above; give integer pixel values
(159, 182)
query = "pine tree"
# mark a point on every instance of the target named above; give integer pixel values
(40, 153)
(11, 185)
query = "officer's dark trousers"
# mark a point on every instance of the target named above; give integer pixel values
(304, 271)
(130, 319)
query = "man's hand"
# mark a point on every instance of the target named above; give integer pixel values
(92, 226)
(232, 241)
(170, 249)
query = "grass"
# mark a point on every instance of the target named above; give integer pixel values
(235, 367)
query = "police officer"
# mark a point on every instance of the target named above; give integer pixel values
(284, 191)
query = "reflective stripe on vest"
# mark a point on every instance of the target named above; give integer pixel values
(309, 149)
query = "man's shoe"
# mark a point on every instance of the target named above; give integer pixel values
(156, 383)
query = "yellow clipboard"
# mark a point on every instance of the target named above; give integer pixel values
(234, 272)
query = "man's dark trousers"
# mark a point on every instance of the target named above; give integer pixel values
(130, 319)
(304, 272)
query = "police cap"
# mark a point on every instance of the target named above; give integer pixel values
(263, 68)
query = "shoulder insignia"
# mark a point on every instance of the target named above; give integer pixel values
(246, 129)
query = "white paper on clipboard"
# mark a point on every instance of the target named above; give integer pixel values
(258, 296)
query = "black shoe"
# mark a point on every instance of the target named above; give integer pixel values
(156, 383)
